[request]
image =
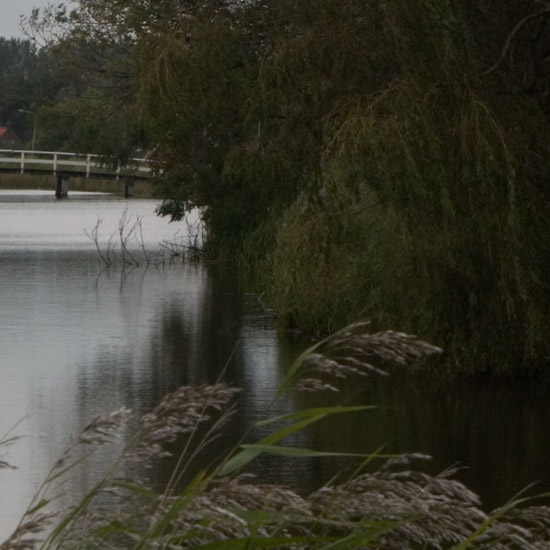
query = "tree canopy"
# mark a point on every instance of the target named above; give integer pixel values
(386, 158)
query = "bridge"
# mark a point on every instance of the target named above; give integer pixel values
(64, 165)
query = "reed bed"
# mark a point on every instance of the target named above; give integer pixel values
(394, 506)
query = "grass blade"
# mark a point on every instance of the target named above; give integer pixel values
(306, 417)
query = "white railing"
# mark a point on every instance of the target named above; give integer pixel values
(54, 162)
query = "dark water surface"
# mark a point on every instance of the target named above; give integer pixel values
(77, 340)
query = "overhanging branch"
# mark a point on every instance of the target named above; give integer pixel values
(512, 35)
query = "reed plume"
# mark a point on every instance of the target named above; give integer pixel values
(355, 351)
(394, 507)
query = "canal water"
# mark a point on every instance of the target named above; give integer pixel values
(78, 340)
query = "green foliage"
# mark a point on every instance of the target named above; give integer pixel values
(458, 169)
(24, 80)
(454, 182)
(86, 123)
(349, 152)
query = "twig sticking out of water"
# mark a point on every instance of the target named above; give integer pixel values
(141, 240)
(187, 248)
(131, 230)
(125, 232)
(93, 235)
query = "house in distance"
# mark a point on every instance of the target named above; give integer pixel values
(8, 138)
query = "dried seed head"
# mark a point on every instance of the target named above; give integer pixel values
(353, 350)
(314, 385)
(181, 412)
(217, 514)
(403, 460)
(104, 428)
(430, 512)
(4, 464)
(241, 493)
(22, 539)
(525, 528)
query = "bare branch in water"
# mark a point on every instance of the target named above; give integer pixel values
(186, 247)
(94, 237)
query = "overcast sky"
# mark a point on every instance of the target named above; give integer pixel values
(10, 12)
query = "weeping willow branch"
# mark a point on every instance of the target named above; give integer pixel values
(508, 44)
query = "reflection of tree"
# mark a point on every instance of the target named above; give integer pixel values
(184, 326)
(199, 322)
(176, 327)
(491, 429)
(197, 342)
(197, 333)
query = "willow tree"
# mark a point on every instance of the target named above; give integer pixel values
(430, 204)
(385, 158)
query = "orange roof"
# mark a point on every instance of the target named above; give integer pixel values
(7, 134)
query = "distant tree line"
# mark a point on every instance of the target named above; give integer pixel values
(73, 110)
(24, 82)
(387, 159)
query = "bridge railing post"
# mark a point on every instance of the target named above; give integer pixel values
(54, 164)
(22, 162)
(88, 161)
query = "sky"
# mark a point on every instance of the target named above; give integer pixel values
(10, 12)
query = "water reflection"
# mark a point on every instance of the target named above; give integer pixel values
(494, 432)
(74, 346)
(77, 341)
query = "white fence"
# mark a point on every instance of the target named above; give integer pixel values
(55, 162)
